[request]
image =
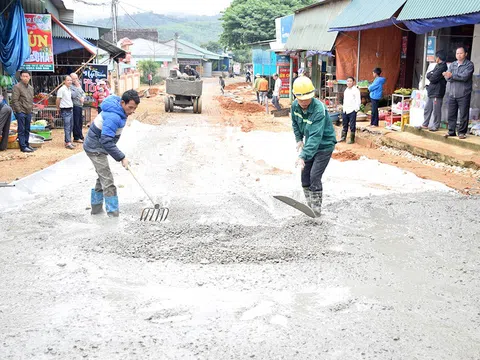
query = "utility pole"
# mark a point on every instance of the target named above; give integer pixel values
(114, 20)
(115, 39)
(175, 55)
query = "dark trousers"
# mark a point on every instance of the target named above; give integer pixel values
(350, 120)
(23, 122)
(374, 120)
(77, 123)
(462, 104)
(5, 119)
(258, 97)
(433, 105)
(313, 171)
(276, 102)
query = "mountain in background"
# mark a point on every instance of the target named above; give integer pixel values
(196, 29)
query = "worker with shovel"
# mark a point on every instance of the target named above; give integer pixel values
(315, 138)
(101, 141)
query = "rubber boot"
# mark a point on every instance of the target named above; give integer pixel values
(352, 139)
(96, 200)
(111, 204)
(316, 206)
(308, 198)
(344, 136)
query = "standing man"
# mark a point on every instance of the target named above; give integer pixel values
(22, 104)
(65, 108)
(101, 141)
(376, 93)
(78, 97)
(351, 104)
(460, 78)
(255, 86)
(263, 90)
(315, 138)
(5, 119)
(276, 92)
(436, 92)
(150, 79)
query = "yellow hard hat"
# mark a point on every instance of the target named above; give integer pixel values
(303, 88)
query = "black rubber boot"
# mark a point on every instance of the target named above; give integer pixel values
(316, 198)
(344, 136)
(308, 197)
(352, 139)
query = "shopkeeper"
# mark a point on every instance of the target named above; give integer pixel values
(65, 108)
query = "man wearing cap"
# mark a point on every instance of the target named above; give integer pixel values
(191, 72)
(315, 138)
(255, 86)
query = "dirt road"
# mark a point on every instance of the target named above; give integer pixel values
(390, 271)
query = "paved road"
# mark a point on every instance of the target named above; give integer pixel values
(389, 272)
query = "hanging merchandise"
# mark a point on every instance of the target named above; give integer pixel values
(14, 46)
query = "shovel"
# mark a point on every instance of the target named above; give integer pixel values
(156, 213)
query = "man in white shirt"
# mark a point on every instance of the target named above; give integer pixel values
(65, 108)
(351, 104)
(276, 92)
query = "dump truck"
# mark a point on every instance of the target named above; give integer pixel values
(183, 91)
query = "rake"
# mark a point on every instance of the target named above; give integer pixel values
(156, 213)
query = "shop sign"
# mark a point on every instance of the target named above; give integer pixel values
(431, 48)
(284, 75)
(191, 62)
(92, 74)
(283, 60)
(39, 29)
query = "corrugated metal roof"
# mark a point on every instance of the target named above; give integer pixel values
(363, 12)
(310, 27)
(421, 9)
(84, 31)
(143, 47)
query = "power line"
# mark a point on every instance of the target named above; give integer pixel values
(159, 15)
(92, 3)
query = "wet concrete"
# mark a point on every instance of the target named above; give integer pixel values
(388, 272)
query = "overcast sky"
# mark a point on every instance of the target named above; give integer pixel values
(84, 13)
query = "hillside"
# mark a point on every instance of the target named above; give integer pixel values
(196, 29)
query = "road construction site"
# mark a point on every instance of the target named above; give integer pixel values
(389, 271)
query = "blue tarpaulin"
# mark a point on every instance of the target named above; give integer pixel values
(61, 45)
(14, 49)
(423, 26)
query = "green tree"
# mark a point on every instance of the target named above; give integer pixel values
(213, 46)
(242, 56)
(147, 67)
(247, 21)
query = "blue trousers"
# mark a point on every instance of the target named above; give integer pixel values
(375, 116)
(23, 123)
(67, 116)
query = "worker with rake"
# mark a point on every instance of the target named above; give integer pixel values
(315, 138)
(101, 141)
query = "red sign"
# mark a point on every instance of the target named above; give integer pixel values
(284, 75)
(39, 28)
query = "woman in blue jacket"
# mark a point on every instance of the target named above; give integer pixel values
(376, 93)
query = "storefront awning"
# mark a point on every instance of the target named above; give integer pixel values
(92, 49)
(114, 51)
(310, 27)
(367, 14)
(422, 17)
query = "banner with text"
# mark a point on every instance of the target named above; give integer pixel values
(39, 28)
(92, 74)
(284, 75)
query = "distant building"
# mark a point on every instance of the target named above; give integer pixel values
(147, 34)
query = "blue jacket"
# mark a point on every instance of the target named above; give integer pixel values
(376, 89)
(106, 129)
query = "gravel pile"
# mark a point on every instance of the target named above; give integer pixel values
(438, 165)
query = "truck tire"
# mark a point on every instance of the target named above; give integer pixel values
(195, 105)
(166, 100)
(199, 105)
(171, 104)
